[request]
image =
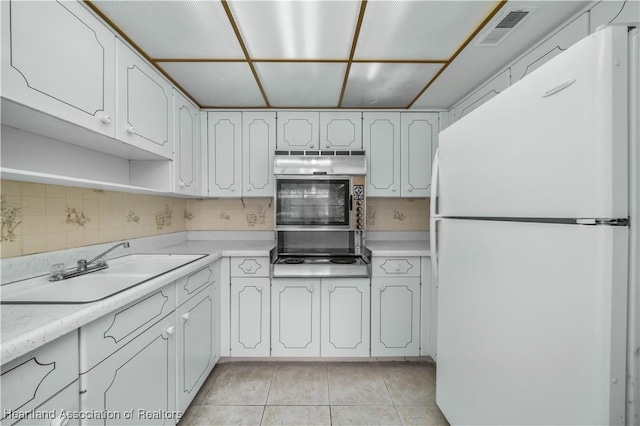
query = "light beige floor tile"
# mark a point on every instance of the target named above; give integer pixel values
(296, 415)
(188, 415)
(299, 384)
(364, 415)
(206, 386)
(423, 415)
(409, 383)
(357, 384)
(227, 415)
(241, 384)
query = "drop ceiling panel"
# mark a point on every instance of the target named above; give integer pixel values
(381, 85)
(217, 84)
(175, 29)
(418, 30)
(302, 84)
(297, 29)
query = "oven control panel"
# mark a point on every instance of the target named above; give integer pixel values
(358, 203)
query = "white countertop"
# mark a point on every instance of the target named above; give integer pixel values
(399, 247)
(27, 327)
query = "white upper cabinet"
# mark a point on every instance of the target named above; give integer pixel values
(611, 12)
(144, 104)
(258, 148)
(551, 47)
(57, 58)
(381, 132)
(185, 165)
(419, 140)
(489, 90)
(224, 154)
(340, 130)
(298, 130)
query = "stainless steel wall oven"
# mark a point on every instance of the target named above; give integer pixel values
(319, 214)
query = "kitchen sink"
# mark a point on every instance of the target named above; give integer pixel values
(123, 273)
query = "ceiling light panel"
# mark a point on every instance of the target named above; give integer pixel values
(386, 85)
(175, 29)
(418, 30)
(297, 29)
(217, 84)
(302, 84)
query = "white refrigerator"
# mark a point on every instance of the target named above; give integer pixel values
(534, 247)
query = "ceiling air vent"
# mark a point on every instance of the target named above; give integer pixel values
(504, 25)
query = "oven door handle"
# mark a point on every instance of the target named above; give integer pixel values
(350, 202)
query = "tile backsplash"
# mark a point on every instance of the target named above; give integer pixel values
(37, 217)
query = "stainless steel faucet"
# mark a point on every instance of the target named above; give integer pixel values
(84, 266)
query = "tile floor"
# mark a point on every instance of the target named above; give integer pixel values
(315, 393)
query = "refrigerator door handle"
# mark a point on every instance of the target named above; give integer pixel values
(433, 213)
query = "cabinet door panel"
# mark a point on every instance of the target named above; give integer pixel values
(395, 317)
(345, 317)
(382, 145)
(147, 363)
(187, 142)
(340, 130)
(57, 58)
(551, 47)
(224, 146)
(250, 313)
(196, 357)
(611, 12)
(145, 104)
(258, 148)
(297, 130)
(107, 334)
(295, 319)
(31, 379)
(482, 95)
(418, 144)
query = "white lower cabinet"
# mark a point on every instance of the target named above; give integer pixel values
(344, 318)
(196, 348)
(41, 380)
(395, 316)
(136, 384)
(250, 316)
(428, 299)
(295, 317)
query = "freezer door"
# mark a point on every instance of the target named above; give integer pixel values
(552, 145)
(531, 323)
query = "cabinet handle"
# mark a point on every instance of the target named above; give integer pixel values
(106, 119)
(397, 267)
(186, 316)
(131, 130)
(182, 185)
(248, 188)
(410, 188)
(328, 145)
(232, 189)
(382, 288)
(247, 268)
(330, 289)
(310, 145)
(170, 330)
(393, 189)
(310, 288)
(260, 289)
